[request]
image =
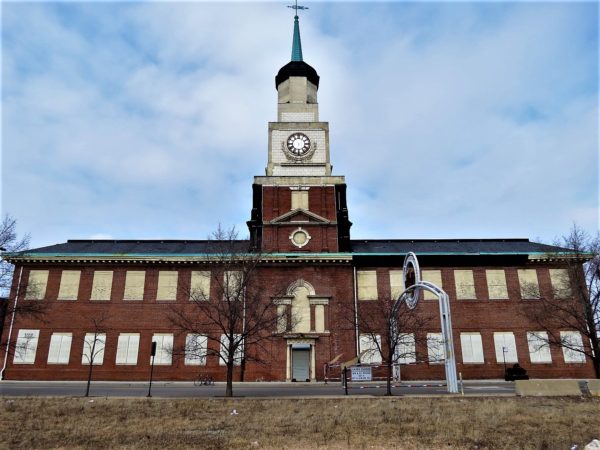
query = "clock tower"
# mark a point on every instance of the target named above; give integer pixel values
(299, 206)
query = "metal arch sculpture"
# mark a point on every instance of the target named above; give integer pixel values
(413, 287)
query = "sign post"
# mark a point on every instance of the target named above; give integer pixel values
(153, 354)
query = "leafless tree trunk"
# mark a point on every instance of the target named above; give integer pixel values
(228, 308)
(575, 305)
(93, 345)
(394, 335)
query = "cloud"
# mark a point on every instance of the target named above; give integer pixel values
(149, 120)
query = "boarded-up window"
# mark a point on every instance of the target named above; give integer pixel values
(233, 285)
(93, 348)
(435, 277)
(36, 287)
(405, 349)
(127, 348)
(396, 283)
(134, 285)
(299, 200)
(167, 285)
(69, 285)
(572, 346)
(200, 285)
(496, 281)
(369, 344)
(528, 281)
(539, 350)
(237, 354)
(319, 318)
(26, 346)
(367, 284)
(506, 348)
(102, 285)
(164, 349)
(465, 284)
(472, 348)
(435, 348)
(60, 348)
(282, 320)
(196, 347)
(561, 284)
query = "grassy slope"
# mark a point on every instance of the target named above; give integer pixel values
(410, 423)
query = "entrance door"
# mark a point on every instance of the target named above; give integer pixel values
(300, 364)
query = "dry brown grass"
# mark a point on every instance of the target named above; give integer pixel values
(337, 423)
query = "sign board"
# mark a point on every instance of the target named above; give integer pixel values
(361, 373)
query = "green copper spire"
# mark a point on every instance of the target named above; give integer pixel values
(296, 43)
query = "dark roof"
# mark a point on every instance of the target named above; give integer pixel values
(451, 246)
(362, 247)
(297, 69)
(136, 247)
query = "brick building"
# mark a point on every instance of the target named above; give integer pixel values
(311, 273)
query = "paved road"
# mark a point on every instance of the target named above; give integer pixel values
(186, 389)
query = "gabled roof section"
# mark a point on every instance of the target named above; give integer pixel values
(300, 216)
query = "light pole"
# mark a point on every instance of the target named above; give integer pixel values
(504, 350)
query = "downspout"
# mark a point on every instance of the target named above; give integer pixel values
(356, 313)
(10, 328)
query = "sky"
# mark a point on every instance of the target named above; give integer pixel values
(148, 120)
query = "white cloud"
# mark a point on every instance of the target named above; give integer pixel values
(149, 120)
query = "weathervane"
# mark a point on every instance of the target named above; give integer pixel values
(297, 7)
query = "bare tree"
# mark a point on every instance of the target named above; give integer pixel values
(392, 333)
(227, 307)
(574, 304)
(93, 345)
(11, 243)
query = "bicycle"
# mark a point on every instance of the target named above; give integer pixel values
(204, 380)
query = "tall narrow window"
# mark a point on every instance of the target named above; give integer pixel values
(369, 344)
(367, 284)
(472, 348)
(396, 283)
(233, 285)
(572, 346)
(196, 347)
(36, 286)
(25, 349)
(134, 285)
(435, 277)
(465, 284)
(200, 285)
(167, 285)
(506, 348)
(405, 349)
(528, 281)
(127, 348)
(237, 354)
(164, 349)
(561, 284)
(69, 285)
(496, 281)
(93, 348)
(60, 348)
(539, 350)
(102, 285)
(435, 348)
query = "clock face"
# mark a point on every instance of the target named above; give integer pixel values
(298, 144)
